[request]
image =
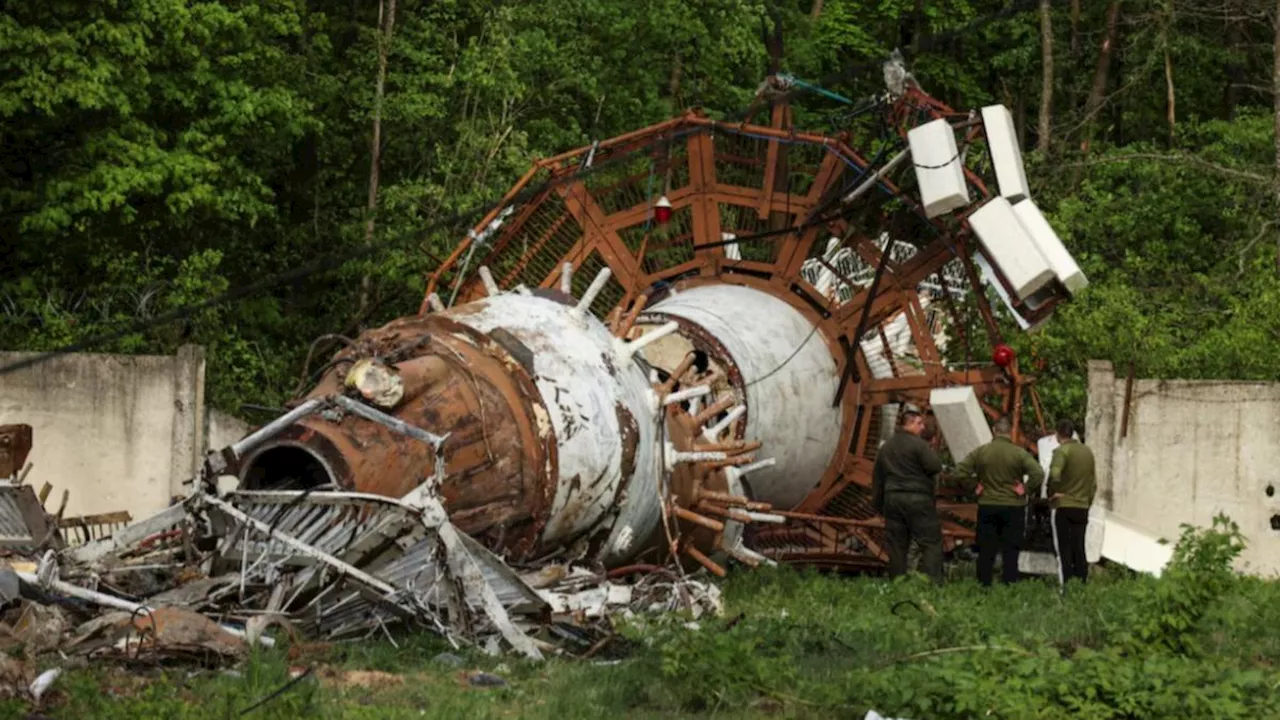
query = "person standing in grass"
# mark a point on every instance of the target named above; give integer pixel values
(903, 488)
(1004, 475)
(1073, 482)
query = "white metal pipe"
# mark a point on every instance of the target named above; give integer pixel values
(266, 431)
(758, 465)
(713, 432)
(593, 290)
(687, 393)
(486, 277)
(111, 601)
(358, 408)
(878, 176)
(566, 278)
(680, 456)
(652, 336)
(747, 555)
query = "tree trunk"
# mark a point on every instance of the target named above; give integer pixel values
(673, 88)
(1098, 91)
(1020, 115)
(816, 10)
(917, 30)
(1168, 81)
(1115, 80)
(1275, 94)
(1046, 81)
(386, 24)
(1235, 70)
(1075, 28)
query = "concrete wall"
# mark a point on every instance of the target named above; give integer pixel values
(120, 432)
(1192, 449)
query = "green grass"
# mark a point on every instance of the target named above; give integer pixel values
(805, 645)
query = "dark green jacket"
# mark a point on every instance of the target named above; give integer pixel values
(998, 466)
(1072, 473)
(905, 464)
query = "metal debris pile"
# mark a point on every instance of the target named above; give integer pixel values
(206, 579)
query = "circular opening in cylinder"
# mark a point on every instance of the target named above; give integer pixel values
(285, 467)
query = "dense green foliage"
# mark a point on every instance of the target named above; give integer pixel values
(1196, 643)
(158, 152)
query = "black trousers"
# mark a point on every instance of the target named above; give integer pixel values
(909, 516)
(1069, 525)
(1000, 530)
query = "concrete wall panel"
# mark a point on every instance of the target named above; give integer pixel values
(120, 432)
(1192, 450)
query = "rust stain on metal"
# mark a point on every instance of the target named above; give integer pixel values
(500, 463)
(630, 435)
(15, 446)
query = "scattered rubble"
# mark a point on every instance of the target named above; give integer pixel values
(210, 577)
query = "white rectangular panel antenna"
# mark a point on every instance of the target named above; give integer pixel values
(960, 418)
(1050, 245)
(1007, 245)
(939, 172)
(1006, 156)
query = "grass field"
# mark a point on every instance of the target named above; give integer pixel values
(1200, 642)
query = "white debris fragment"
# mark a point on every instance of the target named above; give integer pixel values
(42, 683)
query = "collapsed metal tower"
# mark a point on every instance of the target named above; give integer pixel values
(689, 341)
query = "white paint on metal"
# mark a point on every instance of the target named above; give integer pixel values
(859, 272)
(486, 277)
(566, 278)
(789, 377)
(989, 277)
(1050, 245)
(1006, 155)
(588, 297)
(758, 465)
(686, 394)
(939, 172)
(650, 337)
(960, 419)
(675, 457)
(582, 384)
(878, 176)
(731, 250)
(902, 346)
(731, 536)
(713, 433)
(1007, 244)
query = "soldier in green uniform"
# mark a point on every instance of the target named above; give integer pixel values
(1004, 475)
(904, 485)
(1072, 484)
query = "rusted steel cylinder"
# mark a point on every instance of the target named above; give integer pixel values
(550, 428)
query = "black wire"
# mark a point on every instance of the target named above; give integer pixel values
(326, 263)
(926, 44)
(788, 230)
(784, 363)
(338, 259)
(943, 165)
(280, 691)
